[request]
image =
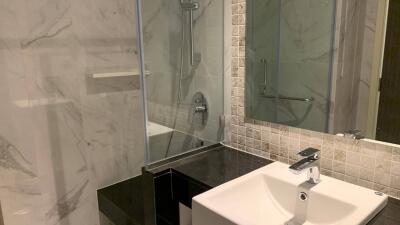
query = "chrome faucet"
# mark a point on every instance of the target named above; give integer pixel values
(310, 162)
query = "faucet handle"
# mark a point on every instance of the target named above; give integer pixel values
(354, 134)
(354, 131)
(309, 152)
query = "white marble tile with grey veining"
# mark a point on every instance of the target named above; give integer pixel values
(47, 157)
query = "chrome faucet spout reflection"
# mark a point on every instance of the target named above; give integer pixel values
(309, 163)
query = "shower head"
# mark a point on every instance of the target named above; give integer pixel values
(190, 5)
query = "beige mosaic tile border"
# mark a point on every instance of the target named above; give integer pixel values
(372, 165)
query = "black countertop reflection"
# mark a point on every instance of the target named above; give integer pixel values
(123, 202)
(390, 215)
(215, 166)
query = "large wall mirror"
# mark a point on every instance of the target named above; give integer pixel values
(325, 65)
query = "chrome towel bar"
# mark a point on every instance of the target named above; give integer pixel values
(310, 99)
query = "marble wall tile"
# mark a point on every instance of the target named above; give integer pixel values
(63, 134)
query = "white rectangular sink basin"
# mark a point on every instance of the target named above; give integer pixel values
(271, 196)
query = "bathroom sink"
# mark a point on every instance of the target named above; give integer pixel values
(272, 195)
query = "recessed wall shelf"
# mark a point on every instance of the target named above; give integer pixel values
(119, 74)
(29, 103)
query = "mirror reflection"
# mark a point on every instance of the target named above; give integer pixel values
(324, 65)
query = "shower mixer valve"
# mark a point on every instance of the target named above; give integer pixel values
(199, 110)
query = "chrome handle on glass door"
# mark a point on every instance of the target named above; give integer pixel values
(280, 97)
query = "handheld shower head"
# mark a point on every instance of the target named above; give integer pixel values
(190, 5)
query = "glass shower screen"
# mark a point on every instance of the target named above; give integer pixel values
(183, 50)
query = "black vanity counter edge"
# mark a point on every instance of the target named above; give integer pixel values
(166, 184)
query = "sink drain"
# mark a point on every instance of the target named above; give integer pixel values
(303, 196)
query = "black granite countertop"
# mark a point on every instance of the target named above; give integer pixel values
(215, 166)
(210, 167)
